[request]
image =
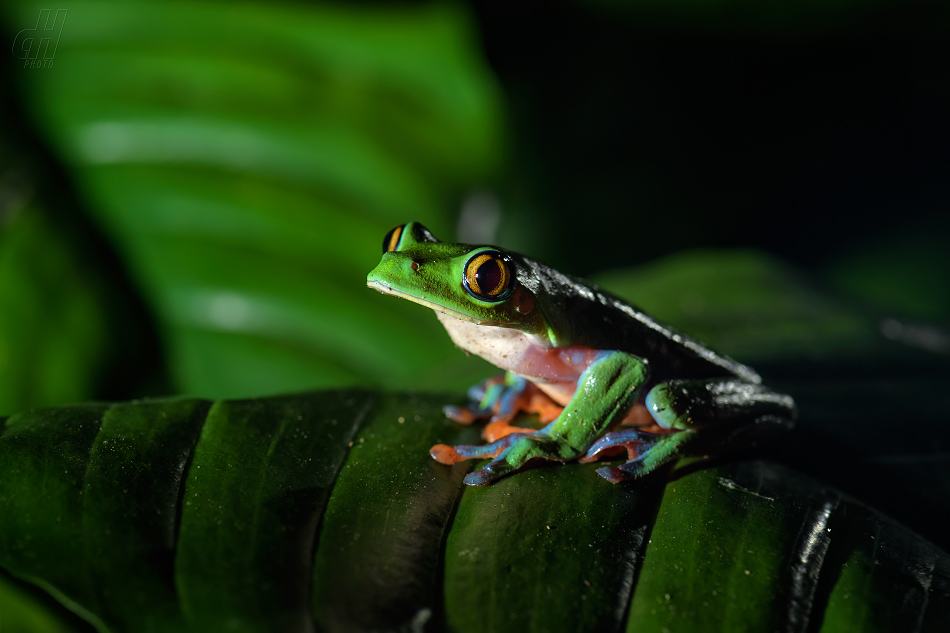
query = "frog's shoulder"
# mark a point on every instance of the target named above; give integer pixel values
(576, 305)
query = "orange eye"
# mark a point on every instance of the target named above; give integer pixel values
(487, 276)
(391, 241)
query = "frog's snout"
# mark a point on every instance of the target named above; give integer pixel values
(377, 284)
(376, 281)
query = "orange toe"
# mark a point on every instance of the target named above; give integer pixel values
(445, 454)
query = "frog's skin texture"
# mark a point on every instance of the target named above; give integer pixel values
(585, 361)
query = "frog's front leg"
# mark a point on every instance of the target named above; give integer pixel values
(605, 392)
(701, 416)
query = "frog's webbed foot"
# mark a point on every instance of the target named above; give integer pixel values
(628, 440)
(483, 400)
(645, 452)
(510, 453)
(448, 455)
(500, 399)
(521, 450)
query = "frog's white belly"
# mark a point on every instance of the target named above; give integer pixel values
(522, 354)
(503, 347)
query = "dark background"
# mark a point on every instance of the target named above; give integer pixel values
(807, 136)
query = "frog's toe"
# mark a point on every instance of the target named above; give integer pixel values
(629, 440)
(498, 468)
(625, 472)
(478, 478)
(500, 427)
(448, 455)
(650, 453)
(445, 454)
(463, 415)
(484, 476)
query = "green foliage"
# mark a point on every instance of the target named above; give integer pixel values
(746, 304)
(23, 612)
(903, 275)
(246, 165)
(177, 515)
(54, 340)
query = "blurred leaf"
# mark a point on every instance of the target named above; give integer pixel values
(23, 612)
(905, 275)
(247, 160)
(175, 515)
(746, 304)
(54, 338)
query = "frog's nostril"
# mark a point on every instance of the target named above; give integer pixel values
(414, 265)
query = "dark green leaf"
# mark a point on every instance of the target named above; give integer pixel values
(550, 549)
(23, 611)
(325, 508)
(256, 490)
(378, 566)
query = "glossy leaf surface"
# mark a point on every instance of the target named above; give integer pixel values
(324, 510)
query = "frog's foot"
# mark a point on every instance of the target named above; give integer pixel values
(500, 427)
(530, 400)
(521, 450)
(500, 399)
(629, 440)
(448, 455)
(645, 452)
(483, 401)
(510, 453)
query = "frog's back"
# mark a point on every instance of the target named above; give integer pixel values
(595, 318)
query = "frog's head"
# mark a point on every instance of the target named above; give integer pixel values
(478, 284)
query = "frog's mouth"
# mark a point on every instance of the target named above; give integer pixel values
(386, 289)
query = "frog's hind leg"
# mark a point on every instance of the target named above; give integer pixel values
(500, 399)
(530, 400)
(698, 416)
(484, 399)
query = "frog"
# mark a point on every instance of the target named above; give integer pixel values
(603, 377)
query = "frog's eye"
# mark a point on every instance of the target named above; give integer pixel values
(391, 241)
(488, 276)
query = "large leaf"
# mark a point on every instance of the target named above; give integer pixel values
(196, 515)
(246, 162)
(747, 304)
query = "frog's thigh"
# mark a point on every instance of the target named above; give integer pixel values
(689, 404)
(702, 416)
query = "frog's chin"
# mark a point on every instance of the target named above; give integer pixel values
(386, 289)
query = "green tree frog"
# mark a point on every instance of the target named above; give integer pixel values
(603, 377)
